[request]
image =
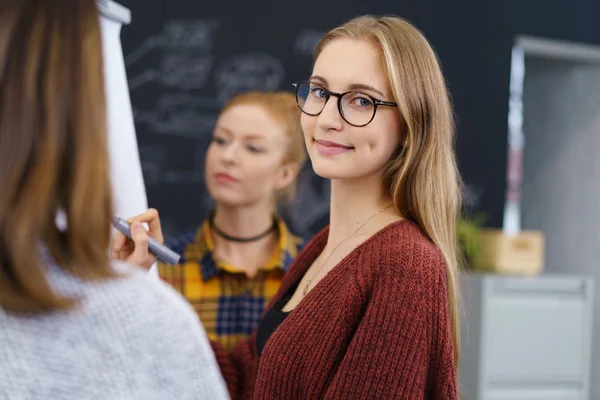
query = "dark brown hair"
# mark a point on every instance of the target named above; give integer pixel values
(53, 149)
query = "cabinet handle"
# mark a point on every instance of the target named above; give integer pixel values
(543, 286)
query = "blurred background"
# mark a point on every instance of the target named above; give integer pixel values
(525, 82)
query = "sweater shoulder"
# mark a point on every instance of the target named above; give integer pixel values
(403, 250)
(132, 302)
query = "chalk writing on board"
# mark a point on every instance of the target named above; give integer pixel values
(185, 61)
(148, 45)
(247, 71)
(177, 70)
(180, 115)
(143, 78)
(185, 71)
(196, 35)
(177, 121)
(199, 34)
(306, 41)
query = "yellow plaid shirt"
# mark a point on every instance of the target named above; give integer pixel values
(229, 304)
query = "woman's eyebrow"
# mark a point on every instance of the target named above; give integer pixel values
(254, 136)
(362, 86)
(354, 86)
(318, 78)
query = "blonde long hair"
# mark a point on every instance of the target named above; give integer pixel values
(422, 177)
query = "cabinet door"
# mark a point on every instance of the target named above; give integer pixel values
(536, 332)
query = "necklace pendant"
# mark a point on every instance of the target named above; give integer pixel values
(338, 245)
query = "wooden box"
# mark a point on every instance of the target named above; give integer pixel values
(521, 254)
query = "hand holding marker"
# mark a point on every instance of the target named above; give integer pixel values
(162, 252)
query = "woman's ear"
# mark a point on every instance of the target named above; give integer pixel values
(287, 174)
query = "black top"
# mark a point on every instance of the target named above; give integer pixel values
(272, 319)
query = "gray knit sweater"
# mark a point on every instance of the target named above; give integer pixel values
(130, 338)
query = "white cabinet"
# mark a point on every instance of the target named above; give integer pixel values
(526, 338)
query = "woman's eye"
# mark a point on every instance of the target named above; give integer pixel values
(218, 140)
(362, 101)
(255, 149)
(318, 92)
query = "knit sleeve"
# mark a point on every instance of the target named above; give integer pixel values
(238, 367)
(245, 359)
(402, 347)
(228, 369)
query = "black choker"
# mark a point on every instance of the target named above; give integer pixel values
(242, 240)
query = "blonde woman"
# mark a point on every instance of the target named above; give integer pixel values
(369, 308)
(73, 324)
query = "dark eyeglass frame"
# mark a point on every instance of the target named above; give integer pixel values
(376, 101)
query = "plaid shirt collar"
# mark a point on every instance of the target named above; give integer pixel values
(282, 257)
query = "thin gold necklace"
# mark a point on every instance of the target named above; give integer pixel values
(308, 282)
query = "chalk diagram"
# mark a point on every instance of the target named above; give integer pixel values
(306, 42)
(246, 72)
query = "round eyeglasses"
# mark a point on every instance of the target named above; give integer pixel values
(356, 108)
